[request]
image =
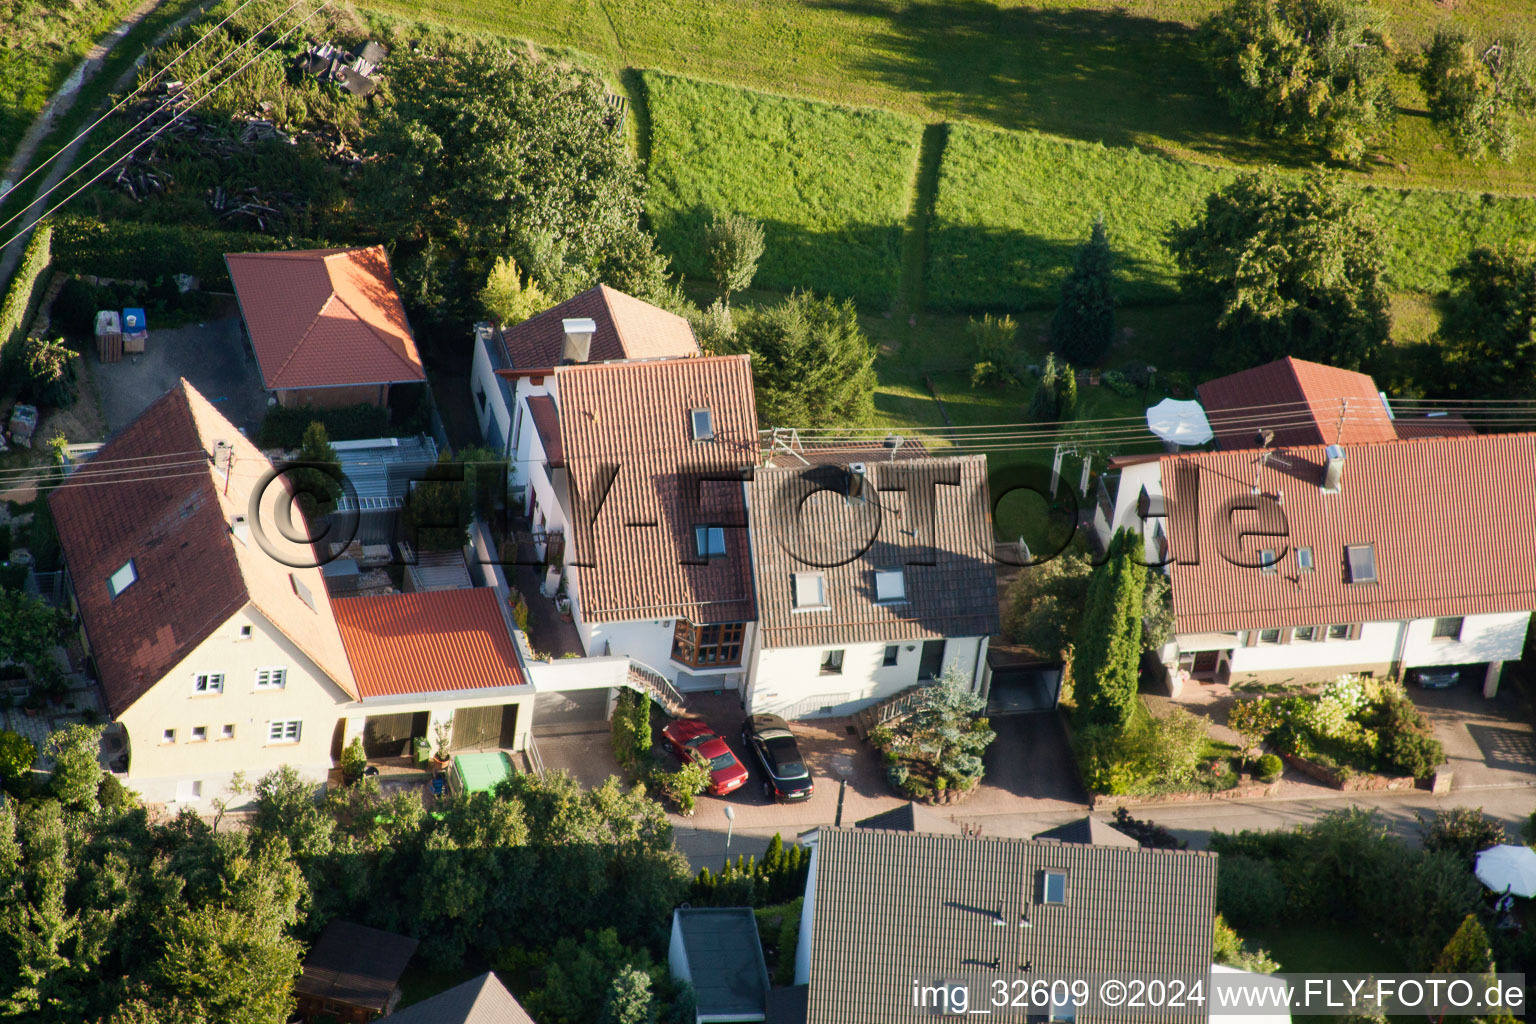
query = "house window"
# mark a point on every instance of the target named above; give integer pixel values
(227, 733)
(168, 736)
(199, 733)
(809, 590)
(1447, 628)
(1304, 634)
(707, 646)
(1361, 559)
(1063, 1012)
(208, 682)
(1304, 559)
(302, 590)
(703, 425)
(1269, 636)
(1268, 561)
(480, 397)
(709, 541)
(122, 579)
(890, 585)
(832, 663)
(1053, 886)
(274, 678)
(892, 653)
(1339, 631)
(245, 632)
(284, 732)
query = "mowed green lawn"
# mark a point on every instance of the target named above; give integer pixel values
(1012, 206)
(1122, 72)
(830, 185)
(41, 41)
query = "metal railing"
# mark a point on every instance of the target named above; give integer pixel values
(812, 705)
(654, 685)
(895, 706)
(534, 760)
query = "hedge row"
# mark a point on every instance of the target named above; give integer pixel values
(24, 293)
(132, 250)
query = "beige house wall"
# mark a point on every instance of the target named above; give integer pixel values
(332, 398)
(162, 771)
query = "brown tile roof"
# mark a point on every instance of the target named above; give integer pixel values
(546, 420)
(324, 317)
(355, 965)
(152, 496)
(1435, 424)
(953, 595)
(627, 328)
(431, 642)
(638, 558)
(482, 1000)
(1302, 402)
(906, 905)
(840, 453)
(1451, 521)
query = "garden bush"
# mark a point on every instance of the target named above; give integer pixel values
(1149, 755)
(1463, 831)
(1249, 892)
(1011, 207)
(133, 250)
(937, 747)
(1354, 724)
(829, 184)
(24, 293)
(1270, 767)
(284, 426)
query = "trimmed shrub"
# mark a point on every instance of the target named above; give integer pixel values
(1249, 892)
(1270, 767)
(24, 293)
(133, 250)
(283, 426)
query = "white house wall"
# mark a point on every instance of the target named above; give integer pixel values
(495, 420)
(156, 768)
(789, 679)
(1132, 479)
(1498, 637)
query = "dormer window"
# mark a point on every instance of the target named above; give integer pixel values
(1361, 561)
(122, 579)
(890, 586)
(709, 541)
(1267, 561)
(703, 424)
(1304, 559)
(808, 590)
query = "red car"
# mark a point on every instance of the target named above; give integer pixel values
(691, 738)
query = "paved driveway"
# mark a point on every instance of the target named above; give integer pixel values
(212, 356)
(1489, 743)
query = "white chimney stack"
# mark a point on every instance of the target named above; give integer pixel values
(578, 340)
(1333, 469)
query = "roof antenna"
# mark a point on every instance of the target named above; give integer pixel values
(1264, 438)
(1338, 436)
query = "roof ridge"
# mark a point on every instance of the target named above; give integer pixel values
(381, 336)
(303, 338)
(613, 317)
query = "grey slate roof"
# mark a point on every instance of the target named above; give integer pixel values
(482, 1000)
(724, 960)
(801, 522)
(355, 965)
(910, 817)
(894, 906)
(1088, 830)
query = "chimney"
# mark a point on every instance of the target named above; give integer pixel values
(241, 528)
(858, 483)
(578, 340)
(1333, 469)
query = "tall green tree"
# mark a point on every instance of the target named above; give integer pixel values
(1468, 951)
(509, 297)
(1107, 666)
(1296, 267)
(629, 999)
(1083, 328)
(1045, 603)
(812, 365)
(1489, 328)
(1055, 397)
(29, 628)
(1314, 70)
(486, 152)
(733, 243)
(76, 752)
(1480, 93)
(318, 487)
(996, 350)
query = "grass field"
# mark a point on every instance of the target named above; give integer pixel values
(42, 42)
(1121, 72)
(1012, 206)
(830, 184)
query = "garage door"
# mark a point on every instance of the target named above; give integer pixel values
(477, 728)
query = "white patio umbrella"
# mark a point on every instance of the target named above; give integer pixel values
(1509, 869)
(1179, 422)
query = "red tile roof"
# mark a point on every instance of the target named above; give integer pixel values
(1302, 402)
(546, 420)
(324, 317)
(627, 328)
(635, 416)
(153, 496)
(1451, 520)
(1448, 424)
(429, 642)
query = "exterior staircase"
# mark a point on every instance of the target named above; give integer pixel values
(898, 705)
(646, 680)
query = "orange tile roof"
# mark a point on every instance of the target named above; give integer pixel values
(324, 317)
(153, 495)
(627, 328)
(430, 642)
(639, 548)
(1302, 402)
(1451, 519)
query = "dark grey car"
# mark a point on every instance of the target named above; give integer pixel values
(773, 747)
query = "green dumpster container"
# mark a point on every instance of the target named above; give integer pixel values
(422, 750)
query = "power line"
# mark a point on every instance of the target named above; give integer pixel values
(145, 141)
(126, 99)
